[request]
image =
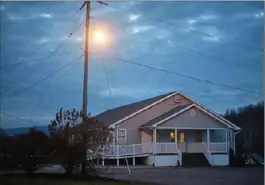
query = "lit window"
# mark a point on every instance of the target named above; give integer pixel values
(172, 136)
(181, 137)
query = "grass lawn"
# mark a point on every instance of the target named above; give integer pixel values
(41, 180)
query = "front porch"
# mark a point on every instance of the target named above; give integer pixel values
(190, 140)
(156, 151)
(212, 143)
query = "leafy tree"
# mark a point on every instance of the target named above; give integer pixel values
(77, 137)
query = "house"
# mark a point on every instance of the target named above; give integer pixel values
(166, 129)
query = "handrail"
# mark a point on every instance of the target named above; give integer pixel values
(207, 153)
(179, 156)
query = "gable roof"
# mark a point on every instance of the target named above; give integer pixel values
(200, 108)
(114, 115)
(117, 115)
(210, 111)
(164, 116)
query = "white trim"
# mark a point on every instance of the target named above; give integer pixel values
(145, 108)
(187, 108)
(234, 142)
(220, 117)
(188, 128)
(208, 139)
(169, 96)
(125, 133)
(169, 117)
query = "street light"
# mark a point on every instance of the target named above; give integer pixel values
(100, 38)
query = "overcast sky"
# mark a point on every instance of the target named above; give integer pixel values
(216, 41)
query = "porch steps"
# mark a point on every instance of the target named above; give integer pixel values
(194, 159)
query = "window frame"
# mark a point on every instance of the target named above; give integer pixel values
(125, 134)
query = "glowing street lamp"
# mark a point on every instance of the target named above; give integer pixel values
(99, 38)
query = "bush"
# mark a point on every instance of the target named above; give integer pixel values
(238, 161)
(23, 151)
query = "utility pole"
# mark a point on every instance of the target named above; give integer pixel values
(84, 108)
(87, 4)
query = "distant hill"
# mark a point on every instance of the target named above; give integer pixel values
(22, 130)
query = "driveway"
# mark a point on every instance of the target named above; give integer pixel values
(198, 175)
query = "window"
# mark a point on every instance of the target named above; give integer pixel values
(172, 136)
(122, 136)
(181, 137)
(177, 99)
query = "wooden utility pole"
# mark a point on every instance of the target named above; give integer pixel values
(84, 108)
(85, 83)
(87, 4)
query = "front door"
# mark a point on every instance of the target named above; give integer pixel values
(181, 142)
(190, 141)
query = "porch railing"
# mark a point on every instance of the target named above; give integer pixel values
(122, 150)
(166, 148)
(163, 148)
(179, 157)
(206, 152)
(218, 147)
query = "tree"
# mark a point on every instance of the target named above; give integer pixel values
(24, 151)
(31, 149)
(77, 137)
(251, 119)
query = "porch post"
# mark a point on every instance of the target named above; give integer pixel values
(227, 145)
(154, 144)
(208, 139)
(234, 142)
(154, 140)
(176, 139)
(116, 133)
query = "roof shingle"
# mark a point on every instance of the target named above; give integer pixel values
(111, 116)
(165, 115)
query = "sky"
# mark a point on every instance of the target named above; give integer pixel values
(216, 41)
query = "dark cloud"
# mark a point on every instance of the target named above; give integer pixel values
(159, 34)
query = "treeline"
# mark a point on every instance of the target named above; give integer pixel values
(71, 136)
(251, 119)
(24, 151)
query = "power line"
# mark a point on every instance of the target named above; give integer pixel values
(74, 30)
(39, 47)
(45, 110)
(20, 119)
(43, 61)
(44, 78)
(42, 97)
(48, 57)
(106, 77)
(216, 58)
(204, 54)
(194, 30)
(190, 77)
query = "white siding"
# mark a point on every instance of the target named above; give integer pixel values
(219, 160)
(166, 160)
